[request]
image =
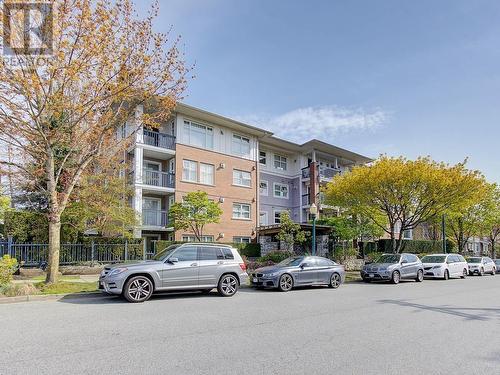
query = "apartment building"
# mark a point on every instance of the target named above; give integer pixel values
(252, 174)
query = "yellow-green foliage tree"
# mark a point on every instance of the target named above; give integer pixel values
(194, 212)
(400, 192)
(490, 221)
(61, 114)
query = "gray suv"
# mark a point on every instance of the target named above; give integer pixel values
(394, 267)
(187, 266)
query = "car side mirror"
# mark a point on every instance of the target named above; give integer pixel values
(368, 261)
(173, 260)
(404, 261)
(303, 265)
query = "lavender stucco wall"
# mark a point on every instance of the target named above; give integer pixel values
(270, 203)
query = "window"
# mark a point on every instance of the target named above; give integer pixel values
(280, 162)
(228, 254)
(242, 239)
(188, 253)
(241, 211)
(411, 258)
(241, 178)
(263, 218)
(152, 165)
(280, 190)
(262, 157)
(324, 262)
(408, 234)
(192, 238)
(263, 188)
(189, 171)
(210, 253)
(199, 135)
(277, 217)
(206, 174)
(240, 145)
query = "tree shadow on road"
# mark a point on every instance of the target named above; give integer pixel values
(468, 313)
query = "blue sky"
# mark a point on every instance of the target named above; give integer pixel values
(389, 76)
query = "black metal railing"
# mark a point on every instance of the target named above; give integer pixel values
(157, 218)
(157, 139)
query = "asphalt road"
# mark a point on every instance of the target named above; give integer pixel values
(435, 327)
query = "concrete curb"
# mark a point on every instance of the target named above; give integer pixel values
(51, 297)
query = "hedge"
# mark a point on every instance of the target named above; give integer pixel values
(250, 250)
(417, 246)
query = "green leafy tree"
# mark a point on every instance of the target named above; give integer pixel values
(490, 220)
(194, 213)
(4, 206)
(290, 232)
(396, 192)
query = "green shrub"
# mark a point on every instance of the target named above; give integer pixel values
(373, 256)
(275, 256)
(416, 246)
(8, 266)
(340, 254)
(14, 290)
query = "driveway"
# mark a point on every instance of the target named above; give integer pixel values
(435, 327)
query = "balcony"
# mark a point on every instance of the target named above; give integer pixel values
(326, 173)
(159, 179)
(306, 172)
(305, 200)
(157, 139)
(154, 218)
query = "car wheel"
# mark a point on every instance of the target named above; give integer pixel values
(228, 285)
(285, 283)
(138, 289)
(420, 276)
(335, 281)
(481, 273)
(464, 274)
(396, 277)
(446, 275)
(493, 271)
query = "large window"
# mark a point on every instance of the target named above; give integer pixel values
(189, 171)
(240, 145)
(206, 174)
(262, 157)
(241, 178)
(280, 190)
(280, 162)
(199, 135)
(241, 211)
(263, 188)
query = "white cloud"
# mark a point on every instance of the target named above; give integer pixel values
(303, 124)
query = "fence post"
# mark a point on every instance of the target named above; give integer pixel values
(126, 250)
(92, 251)
(144, 250)
(9, 247)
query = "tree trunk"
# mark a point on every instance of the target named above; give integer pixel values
(493, 255)
(54, 248)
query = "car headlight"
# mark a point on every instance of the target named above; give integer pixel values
(435, 267)
(117, 271)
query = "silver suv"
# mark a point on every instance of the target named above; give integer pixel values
(394, 267)
(187, 266)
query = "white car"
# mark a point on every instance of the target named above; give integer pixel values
(481, 265)
(444, 266)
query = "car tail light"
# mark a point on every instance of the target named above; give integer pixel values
(243, 266)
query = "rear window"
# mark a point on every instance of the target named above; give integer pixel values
(210, 253)
(228, 254)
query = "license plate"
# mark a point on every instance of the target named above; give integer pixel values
(371, 275)
(254, 279)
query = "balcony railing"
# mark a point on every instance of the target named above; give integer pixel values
(306, 172)
(160, 179)
(155, 218)
(305, 200)
(157, 139)
(328, 173)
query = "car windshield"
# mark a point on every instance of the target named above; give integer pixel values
(474, 260)
(162, 255)
(389, 258)
(434, 259)
(290, 262)
(497, 261)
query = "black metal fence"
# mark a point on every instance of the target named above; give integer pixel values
(32, 254)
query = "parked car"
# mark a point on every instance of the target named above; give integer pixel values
(188, 266)
(444, 266)
(481, 265)
(497, 265)
(299, 271)
(394, 267)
